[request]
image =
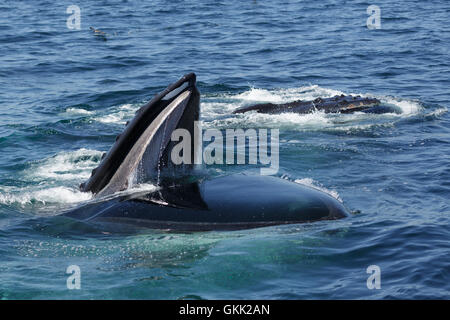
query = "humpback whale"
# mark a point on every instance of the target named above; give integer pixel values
(337, 104)
(186, 201)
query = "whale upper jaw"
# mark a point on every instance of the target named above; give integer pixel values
(146, 138)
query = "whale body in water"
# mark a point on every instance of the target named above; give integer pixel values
(189, 202)
(337, 104)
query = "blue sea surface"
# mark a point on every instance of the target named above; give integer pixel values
(65, 94)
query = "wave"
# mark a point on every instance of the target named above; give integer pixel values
(55, 181)
(55, 195)
(119, 115)
(78, 111)
(112, 115)
(73, 165)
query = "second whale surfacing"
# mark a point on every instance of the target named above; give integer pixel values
(189, 203)
(336, 104)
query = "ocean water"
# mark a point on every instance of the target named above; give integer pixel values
(65, 94)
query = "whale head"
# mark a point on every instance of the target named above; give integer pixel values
(144, 146)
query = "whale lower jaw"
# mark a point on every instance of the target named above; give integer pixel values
(232, 202)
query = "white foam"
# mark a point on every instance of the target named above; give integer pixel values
(285, 95)
(79, 111)
(408, 107)
(438, 112)
(128, 107)
(73, 165)
(117, 117)
(53, 180)
(316, 185)
(284, 120)
(118, 114)
(255, 94)
(44, 196)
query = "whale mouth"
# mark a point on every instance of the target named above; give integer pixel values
(145, 144)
